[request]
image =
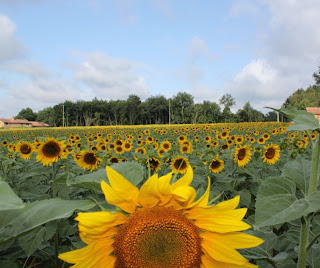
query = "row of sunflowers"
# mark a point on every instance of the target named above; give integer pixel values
(160, 195)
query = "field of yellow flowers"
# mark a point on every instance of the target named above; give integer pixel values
(48, 175)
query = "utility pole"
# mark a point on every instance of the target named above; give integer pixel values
(169, 113)
(63, 114)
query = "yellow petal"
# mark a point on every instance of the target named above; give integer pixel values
(203, 200)
(122, 200)
(165, 189)
(149, 193)
(185, 180)
(119, 183)
(222, 225)
(208, 262)
(219, 251)
(211, 212)
(229, 204)
(93, 225)
(239, 240)
(184, 194)
(90, 255)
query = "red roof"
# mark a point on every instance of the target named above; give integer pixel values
(314, 110)
(15, 121)
(39, 124)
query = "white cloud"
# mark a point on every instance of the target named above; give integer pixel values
(10, 46)
(110, 78)
(33, 70)
(287, 57)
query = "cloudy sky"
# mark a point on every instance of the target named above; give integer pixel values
(256, 50)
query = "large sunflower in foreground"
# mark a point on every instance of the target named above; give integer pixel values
(271, 154)
(162, 226)
(50, 151)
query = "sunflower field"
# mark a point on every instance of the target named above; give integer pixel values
(205, 195)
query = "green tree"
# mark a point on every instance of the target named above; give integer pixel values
(46, 115)
(182, 108)
(301, 98)
(316, 77)
(133, 108)
(271, 117)
(227, 100)
(249, 114)
(28, 114)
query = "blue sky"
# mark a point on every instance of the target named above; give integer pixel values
(256, 50)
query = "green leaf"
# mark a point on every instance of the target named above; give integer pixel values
(314, 255)
(132, 171)
(8, 199)
(299, 172)
(16, 222)
(261, 251)
(89, 181)
(277, 203)
(303, 120)
(31, 241)
(8, 264)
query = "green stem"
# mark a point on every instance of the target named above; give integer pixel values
(305, 221)
(314, 166)
(54, 195)
(312, 241)
(304, 235)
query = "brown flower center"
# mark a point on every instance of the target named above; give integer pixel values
(51, 149)
(242, 154)
(158, 237)
(90, 158)
(270, 153)
(25, 149)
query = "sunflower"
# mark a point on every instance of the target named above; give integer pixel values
(261, 140)
(25, 149)
(127, 146)
(216, 165)
(50, 151)
(141, 150)
(242, 155)
(119, 149)
(88, 160)
(114, 159)
(4, 143)
(160, 152)
(166, 145)
(179, 164)
(154, 164)
(271, 154)
(161, 225)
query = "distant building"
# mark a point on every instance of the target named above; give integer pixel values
(315, 111)
(15, 123)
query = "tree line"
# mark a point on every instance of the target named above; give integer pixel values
(180, 109)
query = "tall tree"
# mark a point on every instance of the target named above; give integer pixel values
(27, 114)
(316, 77)
(133, 112)
(182, 108)
(227, 100)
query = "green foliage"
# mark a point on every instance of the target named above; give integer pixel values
(301, 98)
(8, 199)
(27, 114)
